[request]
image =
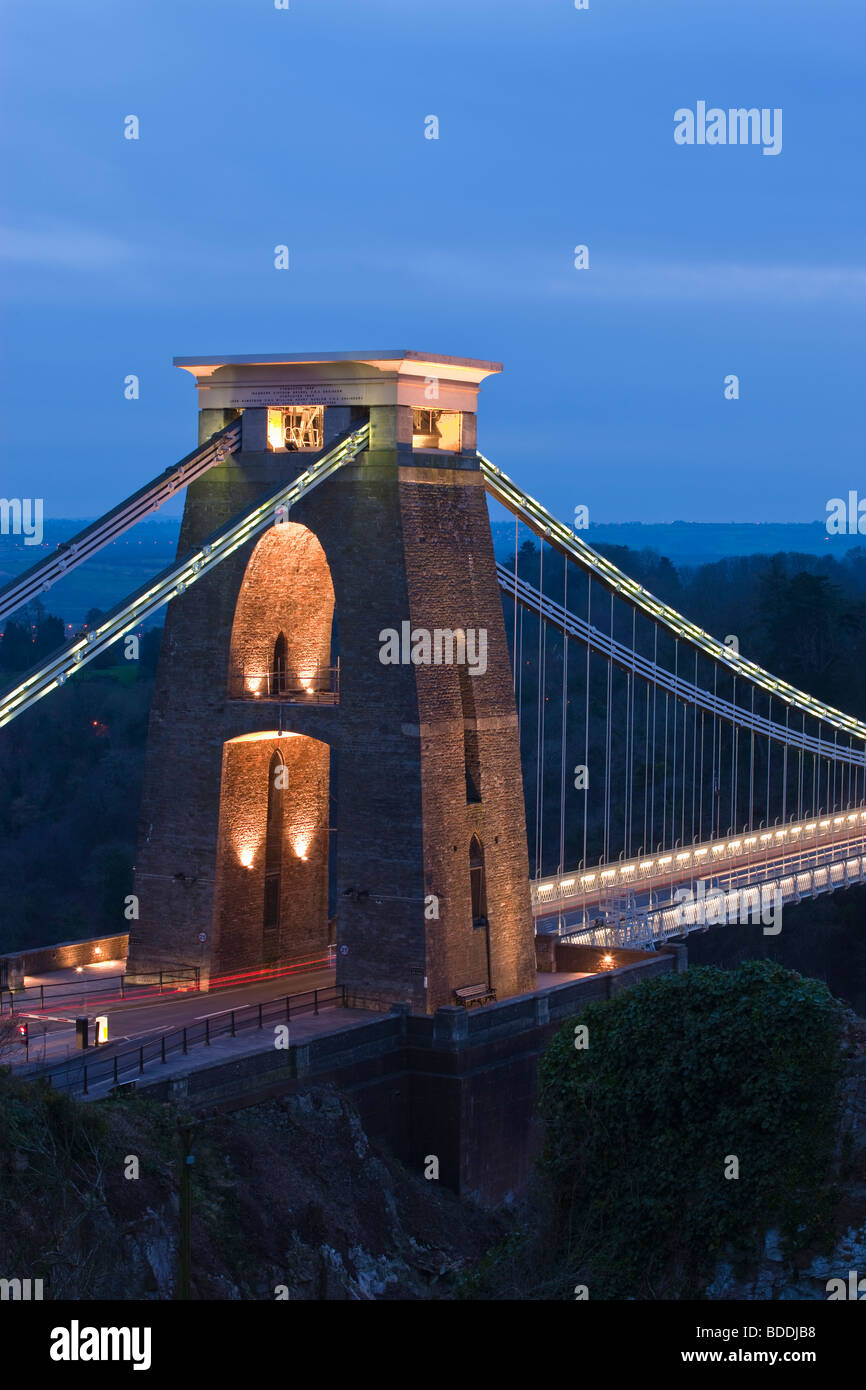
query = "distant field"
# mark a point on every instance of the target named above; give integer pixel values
(102, 582)
(149, 547)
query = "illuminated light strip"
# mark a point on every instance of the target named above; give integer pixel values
(173, 581)
(677, 920)
(660, 923)
(546, 526)
(566, 621)
(553, 891)
(40, 577)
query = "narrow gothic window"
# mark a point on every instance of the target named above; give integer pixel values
(280, 678)
(477, 884)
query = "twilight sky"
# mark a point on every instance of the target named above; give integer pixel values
(306, 126)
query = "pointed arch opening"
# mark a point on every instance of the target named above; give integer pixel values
(283, 632)
(477, 882)
(478, 894)
(278, 675)
(271, 883)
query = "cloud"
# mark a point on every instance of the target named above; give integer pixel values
(91, 260)
(65, 246)
(664, 281)
(68, 259)
(520, 275)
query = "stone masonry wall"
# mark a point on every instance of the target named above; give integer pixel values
(452, 584)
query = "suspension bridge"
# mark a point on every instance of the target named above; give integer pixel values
(662, 769)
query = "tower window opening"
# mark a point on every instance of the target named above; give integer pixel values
(437, 429)
(280, 674)
(477, 884)
(296, 428)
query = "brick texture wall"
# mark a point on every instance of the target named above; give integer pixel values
(66, 954)
(452, 584)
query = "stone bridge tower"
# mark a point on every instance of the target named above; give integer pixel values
(333, 711)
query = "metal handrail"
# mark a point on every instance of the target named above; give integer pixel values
(83, 1076)
(306, 683)
(700, 860)
(96, 985)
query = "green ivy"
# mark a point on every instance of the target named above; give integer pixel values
(680, 1073)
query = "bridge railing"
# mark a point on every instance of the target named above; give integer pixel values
(796, 838)
(69, 992)
(316, 685)
(738, 898)
(125, 1066)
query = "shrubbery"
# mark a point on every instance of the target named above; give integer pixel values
(680, 1074)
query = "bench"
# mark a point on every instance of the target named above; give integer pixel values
(470, 995)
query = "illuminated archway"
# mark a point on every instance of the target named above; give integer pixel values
(271, 889)
(282, 629)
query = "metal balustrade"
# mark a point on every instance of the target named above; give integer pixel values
(316, 685)
(153, 982)
(84, 1077)
(742, 902)
(791, 875)
(797, 839)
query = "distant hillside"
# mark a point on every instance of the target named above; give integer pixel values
(102, 582)
(149, 547)
(703, 542)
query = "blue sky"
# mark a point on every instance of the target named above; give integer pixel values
(306, 127)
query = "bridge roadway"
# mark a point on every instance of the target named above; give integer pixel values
(132, 1022)
(630, 902)
(803, 854)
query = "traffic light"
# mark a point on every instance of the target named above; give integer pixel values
(23, 1033)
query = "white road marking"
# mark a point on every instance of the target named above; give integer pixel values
(239, 1008)
(45, 1018)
